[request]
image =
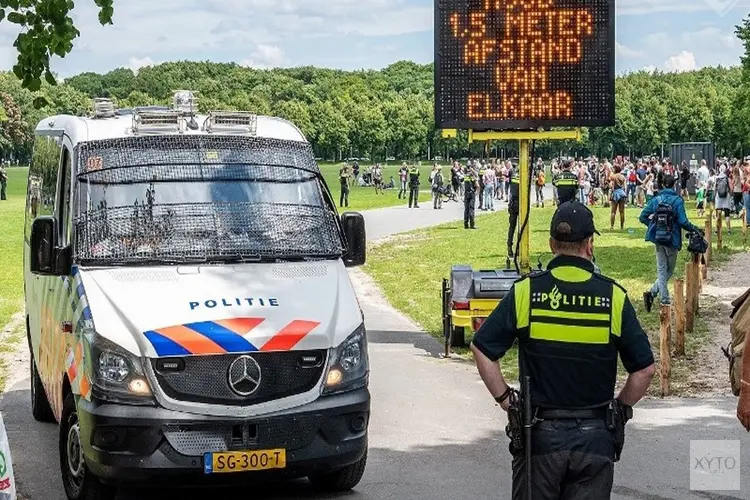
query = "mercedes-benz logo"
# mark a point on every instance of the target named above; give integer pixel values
(244, 375)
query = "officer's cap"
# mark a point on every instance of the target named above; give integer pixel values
(572, 222)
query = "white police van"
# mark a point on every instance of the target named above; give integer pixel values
(189, 311)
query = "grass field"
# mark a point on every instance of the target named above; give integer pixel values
(11, 245)
(365, 198)
(410, 267)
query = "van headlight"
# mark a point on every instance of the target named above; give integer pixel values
(349, 367)
(116, 374)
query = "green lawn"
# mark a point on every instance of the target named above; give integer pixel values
(365, 198)
(11, 245)
(410, 267)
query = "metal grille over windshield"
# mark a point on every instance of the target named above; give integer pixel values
(200, 198)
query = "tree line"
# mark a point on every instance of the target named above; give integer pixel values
(389, 113)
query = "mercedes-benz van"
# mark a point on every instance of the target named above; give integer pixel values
(189, 311)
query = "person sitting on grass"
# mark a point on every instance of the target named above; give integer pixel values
(665, 217)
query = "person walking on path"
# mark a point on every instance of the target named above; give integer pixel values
(344, 177)
(723, 202)
(665, 218)
(619, 197)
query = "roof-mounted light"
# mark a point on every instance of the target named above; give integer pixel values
(235, 122)
(157, 122)
(104, 108)
(185, 102)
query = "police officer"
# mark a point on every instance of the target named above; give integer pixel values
(571, 323)
(414, 186)
(566, 183)
(513, 204)
(470, 191)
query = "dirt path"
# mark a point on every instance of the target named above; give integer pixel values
(14, 355)
(726, 282)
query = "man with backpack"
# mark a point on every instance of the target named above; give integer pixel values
(723, 202)
(665, 217)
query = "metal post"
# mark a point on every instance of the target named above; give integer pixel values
(524, 206)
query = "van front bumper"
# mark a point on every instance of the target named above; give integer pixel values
(133, 443)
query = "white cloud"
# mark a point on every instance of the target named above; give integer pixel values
(640, 7)
(265, 57)
(684, 61)
(136, 63)
(625, 51)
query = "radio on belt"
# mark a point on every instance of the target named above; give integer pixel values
(469, 297)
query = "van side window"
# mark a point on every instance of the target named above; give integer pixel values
(64, 202)
(42, 186)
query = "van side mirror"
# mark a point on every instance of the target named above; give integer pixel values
(356, 239)
(47, 258)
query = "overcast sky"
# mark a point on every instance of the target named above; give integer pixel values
(670, 35)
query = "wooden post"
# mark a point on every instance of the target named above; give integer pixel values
(679, 313)
(719, 221)
(689, 311)
(665, 320)
(709, 238)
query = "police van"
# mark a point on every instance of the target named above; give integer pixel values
(189, 311)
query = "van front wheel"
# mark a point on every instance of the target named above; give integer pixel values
(78, 481)
(341, 480)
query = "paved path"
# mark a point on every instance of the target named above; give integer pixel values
(435, 433)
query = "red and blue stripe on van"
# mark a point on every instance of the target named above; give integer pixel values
(224, 336)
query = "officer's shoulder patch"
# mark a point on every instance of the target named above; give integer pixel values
(535, 273)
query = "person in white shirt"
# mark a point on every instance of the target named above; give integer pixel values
(703, 175)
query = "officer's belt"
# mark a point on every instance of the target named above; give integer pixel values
(556, 414)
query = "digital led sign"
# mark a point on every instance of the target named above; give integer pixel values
(524, 64)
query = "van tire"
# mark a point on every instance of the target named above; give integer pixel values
(40, 408)
(84, 485)
(340, 480)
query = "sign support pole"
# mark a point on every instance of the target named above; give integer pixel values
(524, 206)
(524, 137)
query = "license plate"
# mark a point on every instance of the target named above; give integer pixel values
(242, 461)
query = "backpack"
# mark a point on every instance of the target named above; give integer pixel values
(632, 177)
(664, 220)
(540, 180)
(738, 328)
(722, 186)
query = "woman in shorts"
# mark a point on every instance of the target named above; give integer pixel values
(618, 197)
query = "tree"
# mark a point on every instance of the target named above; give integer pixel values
(13, 130)
(46, 29)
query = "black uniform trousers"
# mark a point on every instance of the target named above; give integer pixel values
(571, 460)
(344, 200)
(566, 193)
(513, 222)
(414, 195)
(470, 201)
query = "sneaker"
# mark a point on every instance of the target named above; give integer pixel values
(648, 301)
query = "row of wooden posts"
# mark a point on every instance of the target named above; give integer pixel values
(686, 301)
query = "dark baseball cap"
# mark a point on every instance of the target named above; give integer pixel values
(573, 221)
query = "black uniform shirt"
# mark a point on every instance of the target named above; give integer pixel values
(571, 324)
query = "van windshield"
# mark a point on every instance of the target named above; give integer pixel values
(200, 199)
